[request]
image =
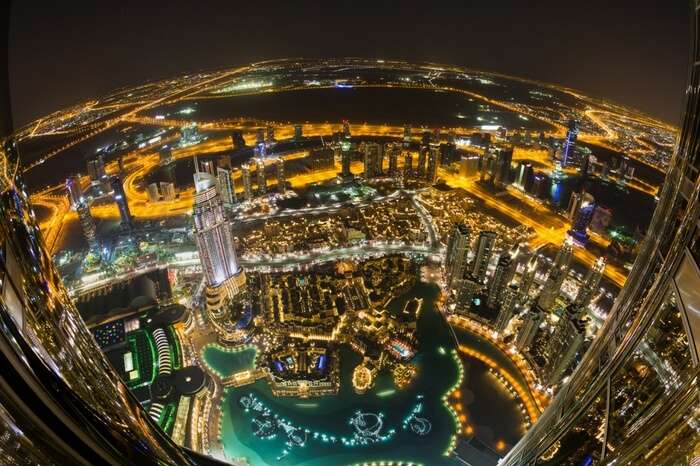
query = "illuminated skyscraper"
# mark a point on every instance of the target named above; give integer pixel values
(467, 288)
(262, 179)
(581, 220)
(370, 156)
(529, 328)
(237, 140)
(346, 130)
(589, 287)
(457, 254)
(270, 135)
(298, 133)
(153, 192)
(502, 275)
(75, 192)
(394, 153)
(379, 160)
(281, 179)
(247, 182)
(345, 160)
(407, 166)
(212, 232)
(422, 160)
(528, 277)
(207, 166)
(569, 143)
(557, 275)
(225, 186)
(564, 344)
(81, 206)
(482, 254)
(127, 222)
(406, 136)
(259, 137)
(433, 163)
(507, 307)
(504, 158)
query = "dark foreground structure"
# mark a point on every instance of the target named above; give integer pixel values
(633, 400)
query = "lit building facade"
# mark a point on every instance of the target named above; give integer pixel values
(482, 254)
(127, 221)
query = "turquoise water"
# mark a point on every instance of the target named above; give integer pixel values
(226, 362)
(305, 421)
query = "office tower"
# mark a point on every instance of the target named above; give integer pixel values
(345, 161)
(529, 328)
(346, 129)
(569, 142)
(247, 182)
(504, 157)
(370, 154)
(262, 180)
(528, 276)
(589, 287)
(574, 204)
(322, 159)
(75, 193)
(259, 137)
(127, 222)
(207, 166)
(213, 235)
(457, 254)
(602, 218)
(502, 275)
(433, 162)
(482, 254)
(540, 186)
(466, 288)
(379, 160)
(637, 382)
(394, 153)
(422, 160)
(237, 140)
(507, 307)
(225, 186)
(165, 156)
(224, 162)
(557, 275)
(153, 192)
(167, 190)
(270, 135)
(281, 180)
(406, 136)
(408, 166)
(563, 345)
(189, 134)
(298, 133)
(583, 217)
(96, 169)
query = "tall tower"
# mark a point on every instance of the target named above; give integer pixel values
(127, 222)
(564, 344)
(408, 166)
(482, 254)
(298, 133)
(590, 284)
(569, 142)
(394, 153)
(370, 154)
(262, 179)
(557, 275)
(81, 206)
(345, 161)
(505, 269)
(225, 184)
(467, 288)
(213, 235)
(457, 254)
(529, 328)
(507, 307)
(433, 163)
(281, 180)
(247, 182)
(582, 218)
(422, 160)
(406, 136)
(527, 278)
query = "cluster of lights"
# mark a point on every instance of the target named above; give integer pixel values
(445, 400)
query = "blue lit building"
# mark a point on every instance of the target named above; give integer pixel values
(581, 221)
(569, 142)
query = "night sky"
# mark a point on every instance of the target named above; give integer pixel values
(631, 51)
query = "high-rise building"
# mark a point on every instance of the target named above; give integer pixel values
(322, 159)
(564, 345)
(247, 182)
(527, 278)
(370, 154)
(457, 255)
(262, 179)
(127, 222)
(281, 179)
(379, 160)
(165, 156)
(406, 136)
(407, 166)
(506, 309)
(529, 328)
(259, 137)
(602, 218)
(557, 275)
(466, 288)
(96, 169)
(422, 160)
(270, 135)
(207, 166)
(569, 142)
(582, 218)
(237, 140)
(394, 153)
(167, 190)
(345, 161)
(346, 130)
(482, 254)
(504, 158)
(433, 163)
(75, 192)
(589, 287)
(153, 192)
(225, 185)
(298, 133)
(502, 276)
(212, 232)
